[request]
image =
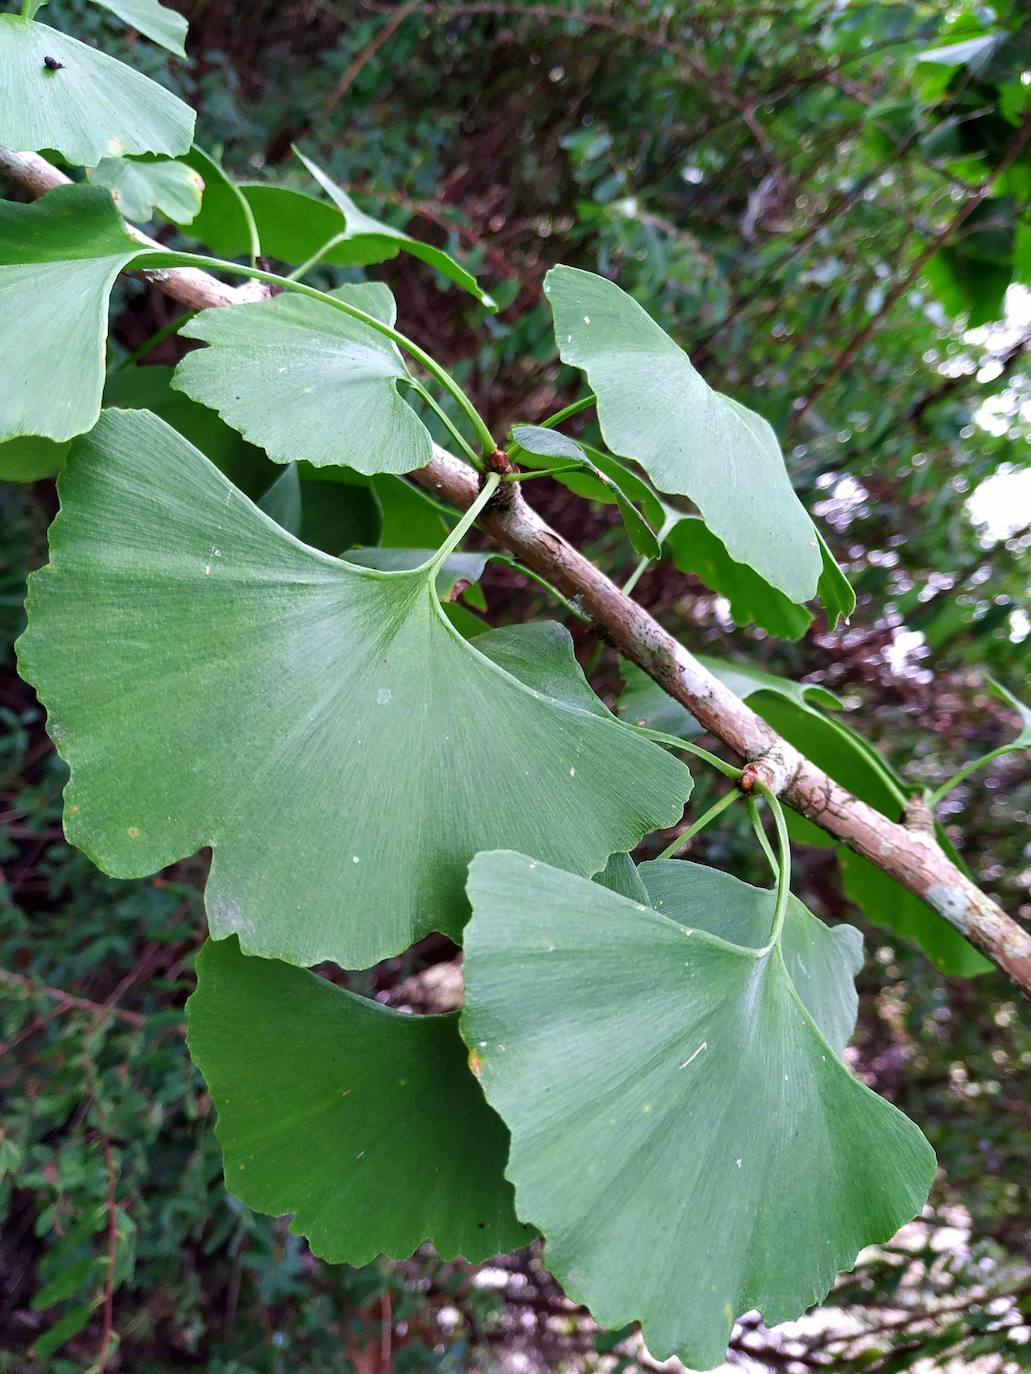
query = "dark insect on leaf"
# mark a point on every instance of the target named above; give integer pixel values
(52, 64)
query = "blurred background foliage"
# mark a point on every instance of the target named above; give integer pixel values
(828, 203)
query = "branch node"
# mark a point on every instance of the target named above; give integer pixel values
(918, 816)
(774, 768)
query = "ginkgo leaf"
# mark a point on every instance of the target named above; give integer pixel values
(295, 227)
(154, 20)
(822, 961)
(87, 107)
(457, 571)
(58, 261)
(305, 381)
(27, 459)
(683, 1133)
(363, 1122)
(655, 408)
(360, 226)
(752, 600)
(537, 442)
(139, 188)
(211, 681)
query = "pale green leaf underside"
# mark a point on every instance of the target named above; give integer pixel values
(655, 408)
(536, 441)
(155, 21)
(366, 1124)
(307, 382)
(140, 188)
(211, 681)
(682, 1133)
(58, 261)
(93, 107)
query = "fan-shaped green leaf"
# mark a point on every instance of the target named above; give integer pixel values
(87, 108)
(654, 407)
(457, 571)
(753, 601)
(58, 261)
(342, 749)
(821, 960)
(140, 188)
(360, 226)
(305, 381)
(365, 1123)
(682, 1133)
(154, 20)
(150, 388)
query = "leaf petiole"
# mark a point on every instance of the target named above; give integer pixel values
(448, 423)
(783, 864)
(717, 809)
(159, 336)
(464, 525)
(963, 773)
(563, 601)
(584, 403)
(674, 742)
(760, 835)
(541, 472)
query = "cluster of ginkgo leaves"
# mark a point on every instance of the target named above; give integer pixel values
(284, 665)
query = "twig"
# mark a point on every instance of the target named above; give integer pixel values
(367, 53)
(112, 1257)
(912, 859)
(66, 999)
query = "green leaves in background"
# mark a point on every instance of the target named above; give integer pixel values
(139, 188)
(89, 108)
(537, 442)
(655, 408)
(683, 1131)
(363, 1122)
(305, 381)
(211, 681)
(58, 261)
